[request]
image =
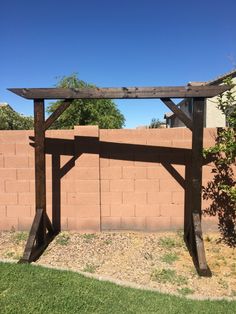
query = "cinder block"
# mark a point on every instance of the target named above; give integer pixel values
(7, 174)
(177, 223)
(178, 197)
(105, 210)
(85, 173)
(7, 149)
(147, 210)
(86, 130)
(26, 198)
(144, 185)
(24, 149)
(3, 211)
(159, 197)
(88, 211)
(84, 224)
(8, 198)
(133, 223)
(8, 224)
(110, 223)
(86, 186)
(154, 224)
(2, 185)
(111, 173)
(134, 197)
(105, 186)
(121, 185)
(172, 210)
(111, 198)
(1, 161)
(24, 223)
(171, 185)
(83, 198)
(16, 162)
(122, 210)
(68, 210)
(17, 186)
(134, 173)
(18, 210)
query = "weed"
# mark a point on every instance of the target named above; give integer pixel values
(169, 258)
(208, 238)
(19, 237)
(148, 256)
(170, 243)
(90, 268)
(223, 283)
(63, 238)
(108, 241)
(185, 291)
(233, 293)
(89, 236)
(168, 275)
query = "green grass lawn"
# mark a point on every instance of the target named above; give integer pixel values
(31, 289)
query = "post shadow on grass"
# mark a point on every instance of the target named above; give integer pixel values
(222, 205)
(166, 156)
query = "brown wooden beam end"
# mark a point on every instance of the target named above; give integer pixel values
(179, 113)
(120, 93)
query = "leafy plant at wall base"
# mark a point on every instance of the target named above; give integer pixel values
(222, 189)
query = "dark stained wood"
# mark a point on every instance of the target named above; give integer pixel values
(117, 93)
(56, 193)
(32, 237)
(179, 113)
(38, 251)
(56, 114)
(40, 170)
(196, 178)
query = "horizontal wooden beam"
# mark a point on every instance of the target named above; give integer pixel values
(179, 113)
(120, 93)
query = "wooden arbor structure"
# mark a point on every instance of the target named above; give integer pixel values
(43, 230)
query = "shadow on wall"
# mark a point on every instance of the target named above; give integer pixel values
(222, 205)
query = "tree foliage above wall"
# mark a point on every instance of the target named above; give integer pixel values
(101, 112)
(12, 120)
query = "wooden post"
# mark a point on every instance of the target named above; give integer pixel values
(56, 193)
(40, 169)
(196, 181)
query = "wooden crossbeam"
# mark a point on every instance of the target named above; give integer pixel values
(179, 113)
(56, 114)
(120, 93)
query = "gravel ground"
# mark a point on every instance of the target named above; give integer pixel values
(153, 260)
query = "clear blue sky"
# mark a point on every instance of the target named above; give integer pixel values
(115, 43)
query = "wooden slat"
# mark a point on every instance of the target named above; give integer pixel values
(196, 178)
(117, 93)
(179, 113)
(32, 237)
(40, 170)
(56, 114)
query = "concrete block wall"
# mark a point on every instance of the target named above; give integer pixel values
(110, 179)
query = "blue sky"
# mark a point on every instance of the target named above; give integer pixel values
(115, 43)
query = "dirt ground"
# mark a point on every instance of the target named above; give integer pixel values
(153, 260)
